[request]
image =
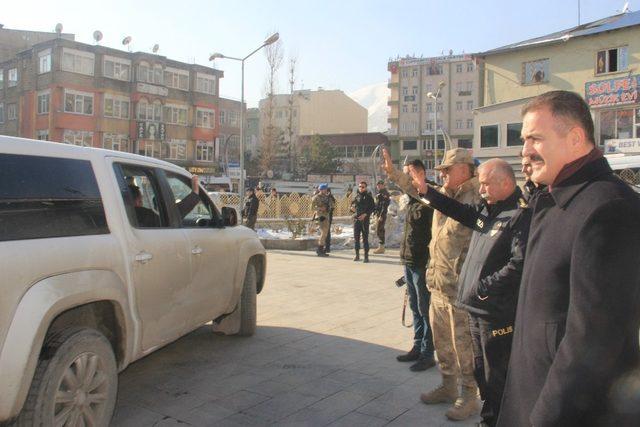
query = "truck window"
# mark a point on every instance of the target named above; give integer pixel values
(43, 197)
(141, 196)
(196, 214)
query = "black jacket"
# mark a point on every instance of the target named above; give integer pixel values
(362, 203)
(576, 329)
(382, 202)
(414, 248)
(491, 273)
(251, 206)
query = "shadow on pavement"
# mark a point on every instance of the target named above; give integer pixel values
(282, 376)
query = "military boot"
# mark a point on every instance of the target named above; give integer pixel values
(320, 251)
(379, 250)
(366, 256)
(467, 405)
(357, 257)
(447, 392)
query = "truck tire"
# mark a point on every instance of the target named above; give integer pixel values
(75, 382)
(248, 303)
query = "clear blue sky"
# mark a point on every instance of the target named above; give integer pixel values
(340, 44)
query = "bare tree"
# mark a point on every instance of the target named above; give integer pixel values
(270, 132)
(291, 143)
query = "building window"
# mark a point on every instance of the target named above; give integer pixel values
(434, 69)
(619, 124)
(439, 106)
(42, 135)
(205, 84)
(150, 149)
(469, 87)
(429, 107)
(233, 117)
(488, 136)
(150, 112)
(458, 124)
(115, 141)
(414, 90)
(13, 77)
(409, 145)
(223, 114)
(513, 134)
(1, 78)
(116, 107)
(458, 105)
(43, 102)
(82, 138)
(177, 149)
(414, 108)
(177, 79)
(428, 87)
(405, 90)
(405, 73)
(78, 61)
(12, 112)
(429, 125)
(469, 105)
(405, 108)
(78, 102)
(143, 72)
(535, 72)
(205, 118)
(612, 60)
(1, 112)
(458, 68)
(459, 87)
(465, 143)
(469, 123)
(176, 114)
(469, 69)
(44, 61)
(204, 151)
(439, 124)
(414, 72)
(117, 68)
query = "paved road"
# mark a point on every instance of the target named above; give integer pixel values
(324, 354)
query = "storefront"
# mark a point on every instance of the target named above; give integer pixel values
(615, 104)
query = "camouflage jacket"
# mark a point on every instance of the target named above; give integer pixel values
(322, 204)
(449, 244)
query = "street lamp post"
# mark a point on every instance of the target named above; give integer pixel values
(272, 39)
(435, 125)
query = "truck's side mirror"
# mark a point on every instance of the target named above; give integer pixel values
(229, 216)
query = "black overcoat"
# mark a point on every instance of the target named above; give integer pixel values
(576, 330)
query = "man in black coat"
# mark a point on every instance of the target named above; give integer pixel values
(362, 207)
(491, 273)
(250, 210)
(575, 344)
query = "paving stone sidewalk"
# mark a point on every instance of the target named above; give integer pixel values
(324, 354)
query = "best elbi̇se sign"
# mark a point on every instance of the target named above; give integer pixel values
(607, 93)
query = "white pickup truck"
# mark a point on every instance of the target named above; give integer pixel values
(105, 257)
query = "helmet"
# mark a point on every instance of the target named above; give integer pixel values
(323, 187)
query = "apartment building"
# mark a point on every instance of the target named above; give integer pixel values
(414, 83)
(90, 95)
(599, 60)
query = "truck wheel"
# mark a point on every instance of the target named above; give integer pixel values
(248, 303)
(75, 382)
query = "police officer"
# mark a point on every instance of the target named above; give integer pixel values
(322, 204)
(362, 206)
(250, 210)
(491, 273)
(382, 203)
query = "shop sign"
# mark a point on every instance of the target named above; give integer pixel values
(629, 146)
(606, 93)
(151, 130)
(200, 170)
(152, 89)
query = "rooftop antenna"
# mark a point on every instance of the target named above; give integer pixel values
(126, 41)
(97, 36)
(155, 48)
(625, 8)
(58, 29)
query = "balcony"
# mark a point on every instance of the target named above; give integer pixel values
(392, 119)
(392, 102)
(393, 83)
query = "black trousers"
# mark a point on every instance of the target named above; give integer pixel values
(491, 350)
(382, 219)
(361, 227)
(327, 246)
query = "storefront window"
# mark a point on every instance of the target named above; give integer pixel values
(624, 124)
(607, 125)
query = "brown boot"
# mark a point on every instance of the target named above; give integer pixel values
(447, 392)
(379, 250)
(466, 405)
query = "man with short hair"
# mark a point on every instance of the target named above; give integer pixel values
(250, 210)
(362, 206)
(382, 204)
(414, 254)
(491, 273)
(450, 324)
(575, 344)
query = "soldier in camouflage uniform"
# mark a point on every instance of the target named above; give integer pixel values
(322, 204)
(448, 249)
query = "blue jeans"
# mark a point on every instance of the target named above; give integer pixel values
(419, 297)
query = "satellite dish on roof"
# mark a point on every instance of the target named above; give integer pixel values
(58, 28)
(155, 48)
(97, 36)
(126, 40)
